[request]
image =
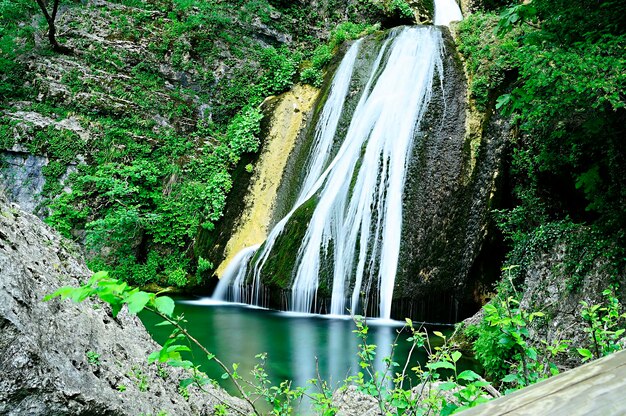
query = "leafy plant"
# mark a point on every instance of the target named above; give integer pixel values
(439, 389)
(93, 358)
(436, 387)
(606, 324)
(502, 343)
(313, 70)
(141, 380)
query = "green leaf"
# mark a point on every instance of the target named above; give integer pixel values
(456, 355)
(101, 275)
(165, 305)
(586, 354)
(468, 375)
(510, 378)
(224, 376)
(186, 382)
(178, 348)
(503, 101)
(115, 309)
(153, 356)
(439, 334)
(63, 292)
(137, 301)
(180, 363)
(440, 364)
(448, 385)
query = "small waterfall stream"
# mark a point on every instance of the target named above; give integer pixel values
(354, 232)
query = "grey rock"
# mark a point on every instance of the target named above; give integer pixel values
(22, 178)
(44, 346)
(546, 290)
(21, 172)
(351, 402)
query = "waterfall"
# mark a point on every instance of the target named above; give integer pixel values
(324, 138)
(234, 276)
(361, 218)
(446, 11)
(354, 231)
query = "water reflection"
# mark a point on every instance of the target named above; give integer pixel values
(292, 342)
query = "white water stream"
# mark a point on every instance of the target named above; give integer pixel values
(355, 229)
(446, 11)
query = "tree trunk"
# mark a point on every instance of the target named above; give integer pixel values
(52, 30)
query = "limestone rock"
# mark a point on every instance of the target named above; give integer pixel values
(546, 290)
(22, 178)
(351, 402)
(21, 172)
(63, 358)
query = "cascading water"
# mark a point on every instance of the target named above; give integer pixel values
(354, 230)
(351, 215)
(446, 11)
(233, 279)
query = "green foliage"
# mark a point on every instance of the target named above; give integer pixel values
(177, 277)
(141, 380)
(15, 39)
(7, 135)
(558, 68)
(116, 293)
(312, 76)
(503, 348)
(530, 234)
(466, 389)
(502, 343)
(242, 133)
(93, 358)
(488, 57)
(398, 9)
(203, 269)
(606, 324)
(313, 70)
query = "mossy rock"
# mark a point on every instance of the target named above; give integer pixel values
(279, 269)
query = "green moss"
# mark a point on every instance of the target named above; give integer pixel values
(279, 268)
(7, 137)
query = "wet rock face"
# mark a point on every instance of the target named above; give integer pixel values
(546, 290)
(22, 172)
(63, 358)
(22, 178)
(450, 184)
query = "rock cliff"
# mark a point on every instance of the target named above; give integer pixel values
(64, 358)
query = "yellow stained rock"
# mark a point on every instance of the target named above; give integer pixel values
(286, 121)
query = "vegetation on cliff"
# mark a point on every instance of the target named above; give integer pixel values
(167, 93)
(557, 69)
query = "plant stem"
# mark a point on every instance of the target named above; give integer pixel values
(208, 353)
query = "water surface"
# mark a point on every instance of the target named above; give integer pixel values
(297, 345)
